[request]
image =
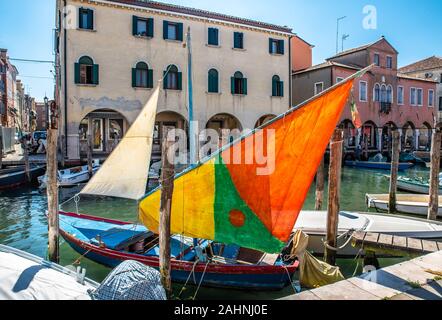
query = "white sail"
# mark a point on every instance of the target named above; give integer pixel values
(125, 172)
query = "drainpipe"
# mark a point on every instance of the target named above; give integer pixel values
(65, 82)
(290, 72)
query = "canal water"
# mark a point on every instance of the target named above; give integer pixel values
(23, 225)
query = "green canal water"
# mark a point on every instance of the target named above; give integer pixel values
(23, 225)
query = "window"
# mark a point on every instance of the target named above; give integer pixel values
(86, 19)
(276, 46)
(413, 96)
(238, 40)
(400, 95)
(172, 78)
(213, 81)
(239, 84)
(86, 72)
(431, 98)
(277, 87)
(172, 31)
(142, 77)
(389, 94)
(376, 59)
(389, 62)
(377, 93)
(362, 91)
(339, 79)
(142, 27)
(420, 99)
(115, 129)
(213, 37)
(319, 87)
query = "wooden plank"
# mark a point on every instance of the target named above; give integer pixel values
(385, 239)
(439, 246)
(359, 236)
(400, 242)
(414, 244)
(372, 237)
(429, 246)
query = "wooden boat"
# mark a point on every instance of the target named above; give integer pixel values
(16, 176)
(377, 165)
(313, 223)
(72, 176)
(24, 276)
(109, 242)
(406, 203)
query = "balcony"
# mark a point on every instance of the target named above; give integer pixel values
(385, 107)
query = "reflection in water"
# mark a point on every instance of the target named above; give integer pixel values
(23, 224)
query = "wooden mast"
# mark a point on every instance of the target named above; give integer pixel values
(394, 171)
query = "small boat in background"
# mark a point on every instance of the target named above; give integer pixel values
(377, 165)
(405, 203)
(416, 185)
(73, 176)
(110, 242)
(16, 176)
(411, 158)
(24, 276)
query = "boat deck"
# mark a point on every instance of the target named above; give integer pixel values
(418, 279)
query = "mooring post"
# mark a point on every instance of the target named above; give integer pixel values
(433, 208)
(320, 186)
(396, 140)
(1, 152)
(52, 185)
(334, 186)
(89, 155)
(167, 184)
(61, 148)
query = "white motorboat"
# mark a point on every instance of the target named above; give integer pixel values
(416, 185)
(405, 203)
(314, 224)
(73, 176)
(24, 276)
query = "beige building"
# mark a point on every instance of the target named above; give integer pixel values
(111, 54)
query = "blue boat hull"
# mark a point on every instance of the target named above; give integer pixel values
(377, 165)
(18, 178)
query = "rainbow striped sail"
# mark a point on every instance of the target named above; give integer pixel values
(247, 202)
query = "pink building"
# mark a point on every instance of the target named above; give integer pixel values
(386, 99)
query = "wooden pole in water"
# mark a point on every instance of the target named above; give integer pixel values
(167, 184)
(396, 142)
(26, 158)
(52, 185)
(61, 148)
(89, 155)
(434, 175)
(334, 186)
(1, 152)
(320, 186)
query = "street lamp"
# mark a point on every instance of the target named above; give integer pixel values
(337, 32)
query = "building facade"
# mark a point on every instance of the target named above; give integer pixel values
(115, 53)
(41, 116)
(9, 78)
(430, 68)
(386, 99)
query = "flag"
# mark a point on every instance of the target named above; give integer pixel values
(355, 116)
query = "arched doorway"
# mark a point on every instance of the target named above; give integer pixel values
(264, 120)
(425, 137)
(350, 133)
(227, 126)
(368, 136)
(408, 137)
(167, 120)
(387, 134)
(106, 128)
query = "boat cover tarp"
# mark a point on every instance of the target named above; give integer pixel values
(23, 279)
(313, 272)
(251, 192)
(131, 280)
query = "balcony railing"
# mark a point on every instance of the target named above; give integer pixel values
(385, 107)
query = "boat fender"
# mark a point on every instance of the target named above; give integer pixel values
(81, 275)
(370, 261)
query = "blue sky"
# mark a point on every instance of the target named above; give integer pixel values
(413, 27)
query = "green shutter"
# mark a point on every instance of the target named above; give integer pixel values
(216, 36)
(213, 36)
(95, 74)
(245, 85)
(236, 40)
(77, 73)
(180, 81)
(215, 84)
(164, 80)
(270, 45)
(134, 25)
(232, 85)
(150, 27)
(180, 32)
(90, 19)
(281, 47)
(274, 88)
(134, 77)
(281, 83)
(165, 32)
(150, 78)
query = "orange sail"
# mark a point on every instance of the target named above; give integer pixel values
(251, 192)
